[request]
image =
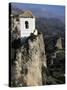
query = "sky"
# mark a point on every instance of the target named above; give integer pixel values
(43, 10)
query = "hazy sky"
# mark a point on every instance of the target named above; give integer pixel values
(43, 10)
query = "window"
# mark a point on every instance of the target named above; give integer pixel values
(26, 24)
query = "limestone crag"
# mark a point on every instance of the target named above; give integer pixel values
(59, 43)
(28, 62)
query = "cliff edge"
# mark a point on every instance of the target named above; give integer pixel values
(29, 59)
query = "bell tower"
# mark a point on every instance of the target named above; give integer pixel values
(27, 24)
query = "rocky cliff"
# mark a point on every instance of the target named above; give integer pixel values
(28, 61)
(59, 43)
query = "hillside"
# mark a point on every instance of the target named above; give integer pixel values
(50, 26)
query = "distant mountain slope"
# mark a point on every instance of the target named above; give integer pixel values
(50, 26)
(16, 11)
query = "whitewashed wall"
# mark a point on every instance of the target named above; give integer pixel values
(26, 32)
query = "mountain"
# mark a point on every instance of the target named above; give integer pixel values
(50, 26)
(16, 11)
(29, 58)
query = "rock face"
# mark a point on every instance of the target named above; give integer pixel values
(59, 43)
(26, 69)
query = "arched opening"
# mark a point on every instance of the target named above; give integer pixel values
(26, 24)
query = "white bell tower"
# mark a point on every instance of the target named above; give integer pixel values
(27, 24)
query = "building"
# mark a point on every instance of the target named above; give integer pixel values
(27, 23)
